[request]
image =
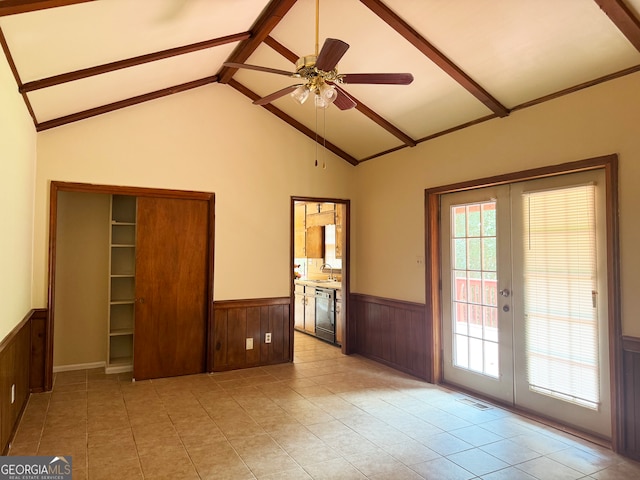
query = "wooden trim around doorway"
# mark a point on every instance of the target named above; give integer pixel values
(434, 275)
(348, 344)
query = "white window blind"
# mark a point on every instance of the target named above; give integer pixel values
(560, 294)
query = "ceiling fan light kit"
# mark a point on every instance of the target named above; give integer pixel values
(300, 94)
(321, 76)
(325, 95)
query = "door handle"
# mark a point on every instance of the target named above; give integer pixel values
(505, 292)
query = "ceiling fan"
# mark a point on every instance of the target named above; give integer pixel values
(321, 78)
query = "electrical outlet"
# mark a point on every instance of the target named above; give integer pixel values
(420, 261)
(249, 343)
(267, 338)
(13, 393)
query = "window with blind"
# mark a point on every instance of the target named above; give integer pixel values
(560, 283)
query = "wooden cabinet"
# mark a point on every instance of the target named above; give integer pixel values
(299, 231)
(315, 242)
(310, 309)
(304, 308)
(320, 214)
(122, 250)
(309, 222)
(340, 230)
(299, 302)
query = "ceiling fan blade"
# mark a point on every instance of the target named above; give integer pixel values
(330, 54)
(378, 78)
(343, 101)
(258, 68)
(275, 95)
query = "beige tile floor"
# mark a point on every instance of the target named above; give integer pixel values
(326, 416)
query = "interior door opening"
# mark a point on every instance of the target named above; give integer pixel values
(320, 266)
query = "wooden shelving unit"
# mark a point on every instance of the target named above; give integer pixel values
(122, 261)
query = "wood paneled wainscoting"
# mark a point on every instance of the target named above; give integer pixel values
(21, 370)
(631, 397)
(236, 321)
(392, 332)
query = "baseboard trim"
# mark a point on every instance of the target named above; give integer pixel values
(119, 369)
(78, 366)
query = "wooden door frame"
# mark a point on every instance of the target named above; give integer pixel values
(433, 276)
(348, 346)
(58, 186)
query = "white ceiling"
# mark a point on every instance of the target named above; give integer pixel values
(517, 51)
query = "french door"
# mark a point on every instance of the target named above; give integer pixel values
(524, 296)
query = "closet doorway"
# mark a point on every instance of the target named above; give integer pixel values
(171, 253)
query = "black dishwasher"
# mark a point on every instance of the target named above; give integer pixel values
(326, 314)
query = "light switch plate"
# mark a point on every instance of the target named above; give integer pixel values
(249, 343)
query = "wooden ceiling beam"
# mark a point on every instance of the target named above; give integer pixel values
(373, 116)
(266, 22)
(281, 49)
(623, 18)
(16, 75)
(437, 57)
(361, 107)
(294, 123)
(12, 7)
(74, 117)
(522, 106)
(130, 62)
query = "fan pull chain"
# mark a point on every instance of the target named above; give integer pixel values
(316, 109)
(324, 139)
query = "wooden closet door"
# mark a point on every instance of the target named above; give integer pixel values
(171, 287)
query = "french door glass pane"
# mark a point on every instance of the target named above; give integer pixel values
(561, 319)
(474, 277)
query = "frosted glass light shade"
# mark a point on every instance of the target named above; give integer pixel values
(325, 95)
(300, 94)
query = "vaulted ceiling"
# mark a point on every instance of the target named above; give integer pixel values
(472, 61)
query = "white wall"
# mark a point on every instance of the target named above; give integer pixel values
(209, 139)
(17, 170)
(390, 190)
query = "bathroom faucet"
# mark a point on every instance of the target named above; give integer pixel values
(331, 271)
